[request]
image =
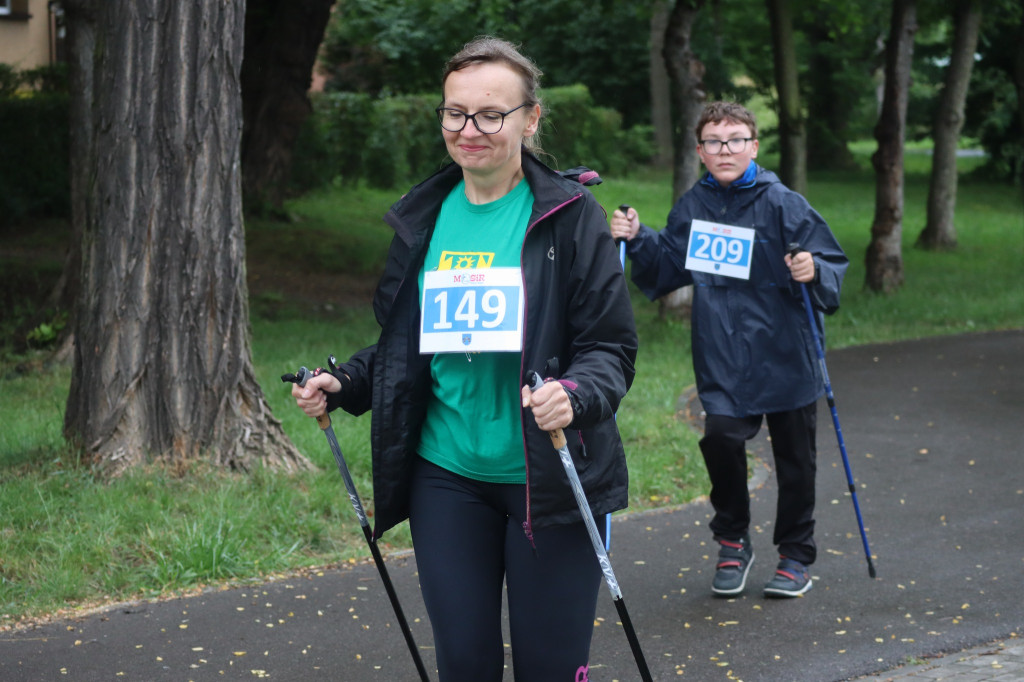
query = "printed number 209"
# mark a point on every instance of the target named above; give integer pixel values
(718, 249)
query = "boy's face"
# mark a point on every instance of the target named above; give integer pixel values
(727, 166)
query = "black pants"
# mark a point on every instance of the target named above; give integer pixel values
(469, 538)
(724, 449)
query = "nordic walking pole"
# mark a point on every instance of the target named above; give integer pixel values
(622, 262)
(558, 440)
(793, 250)
(622, 242)
(324, 421)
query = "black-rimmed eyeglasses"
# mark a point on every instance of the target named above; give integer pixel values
(735, 146)
(487, 122)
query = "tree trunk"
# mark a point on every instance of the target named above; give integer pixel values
(282, 39)
(884, 259)
(661, 112)
(793, 141)
(829, 105)
(162, 362)
(1018, 82)
(80, 45)
(686, 74)
(940, 231)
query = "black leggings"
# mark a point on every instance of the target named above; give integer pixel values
(469, 538)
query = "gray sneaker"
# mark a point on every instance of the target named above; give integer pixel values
(791, 579)
(734, 560)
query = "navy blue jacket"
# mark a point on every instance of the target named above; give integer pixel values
(578, 328)
(753, 352)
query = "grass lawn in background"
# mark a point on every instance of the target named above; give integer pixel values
(68, 538)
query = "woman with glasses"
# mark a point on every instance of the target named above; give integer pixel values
(753, 356)
(499, 267)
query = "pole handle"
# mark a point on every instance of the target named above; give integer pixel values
(300, 378)
(558, 435)
(625, 211)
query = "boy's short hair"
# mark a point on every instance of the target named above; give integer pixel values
(716, 112)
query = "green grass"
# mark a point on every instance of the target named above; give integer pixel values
(68, 538)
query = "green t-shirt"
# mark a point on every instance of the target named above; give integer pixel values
(473, 425)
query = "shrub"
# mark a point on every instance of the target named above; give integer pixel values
(578, 133)
(395, 141)
(404, 144)
(34, 174)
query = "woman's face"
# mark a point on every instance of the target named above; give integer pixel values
(488, 87)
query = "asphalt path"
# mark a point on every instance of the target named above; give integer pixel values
(934, 431)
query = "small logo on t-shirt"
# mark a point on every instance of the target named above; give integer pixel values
(465, 260)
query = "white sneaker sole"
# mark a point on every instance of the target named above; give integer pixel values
(776, 592)
(742, 585)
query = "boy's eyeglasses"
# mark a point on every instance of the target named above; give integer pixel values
(487, 122)
(735, 146)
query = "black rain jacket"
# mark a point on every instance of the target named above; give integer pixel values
(578, 329)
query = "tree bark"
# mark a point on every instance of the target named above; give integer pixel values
(792, 138)
(1018, 83)
(884, 259)
(162, 361)
(686, 74)
(282, 39)
(939, 232)
(829, 100)
(661, 111)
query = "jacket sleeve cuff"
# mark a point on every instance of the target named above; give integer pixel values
(335, 400)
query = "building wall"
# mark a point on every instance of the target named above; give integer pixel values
(25, 44)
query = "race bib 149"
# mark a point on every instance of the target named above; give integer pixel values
(472, 310)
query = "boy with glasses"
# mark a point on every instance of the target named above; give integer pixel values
(753, 357)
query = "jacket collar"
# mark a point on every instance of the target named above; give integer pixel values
(748, 179)
(413, 216)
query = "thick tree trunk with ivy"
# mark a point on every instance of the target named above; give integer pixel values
(884, 259)
(282, 39)
(162, 360)
(792, 138)
(940, 230)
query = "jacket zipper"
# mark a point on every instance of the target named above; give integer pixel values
(528, 524)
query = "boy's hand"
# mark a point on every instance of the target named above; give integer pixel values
(624, 225)
(801, 266)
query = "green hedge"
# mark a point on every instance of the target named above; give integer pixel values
(34, 157)
(393, 142)
(575, 132)
(384, 142)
